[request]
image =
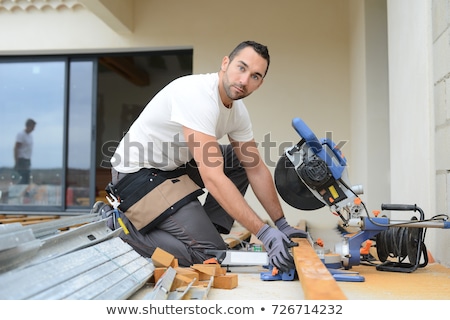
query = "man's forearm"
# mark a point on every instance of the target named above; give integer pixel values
(264, 189)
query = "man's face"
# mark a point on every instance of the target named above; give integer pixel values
(30, 128)
(244, 74)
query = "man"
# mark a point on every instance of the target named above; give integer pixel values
(23, 149)
(179, 129)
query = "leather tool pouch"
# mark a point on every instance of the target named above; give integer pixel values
(150, 195)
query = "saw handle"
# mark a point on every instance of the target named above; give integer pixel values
(306, 133)
(399, 207)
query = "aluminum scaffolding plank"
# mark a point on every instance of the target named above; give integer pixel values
(74, 239)
(76, 275)
(18, 255)
(127, 286)
(17, 245)
(14, 234)
(115, 279)
(32, 251)
(50, 228)
(20, 244)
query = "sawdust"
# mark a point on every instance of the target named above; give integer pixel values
(429, 283)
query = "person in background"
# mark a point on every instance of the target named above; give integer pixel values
(179, 130)
(23, 149)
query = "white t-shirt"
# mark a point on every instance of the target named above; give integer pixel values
(156, 138)
(26, 144)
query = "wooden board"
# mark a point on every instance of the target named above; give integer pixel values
(25, 219)
(317, 282)
(236, 236)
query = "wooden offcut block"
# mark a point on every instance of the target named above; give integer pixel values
(158, 273)
(227, 281)
(174, 263)
(209, 269)
(180, 281)
(162, 258)
(213, 269)
(188, 272)
(206, 271)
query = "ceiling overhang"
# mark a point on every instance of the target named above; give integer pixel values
(117, 14)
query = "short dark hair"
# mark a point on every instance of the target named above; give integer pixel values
(259, 48)
(30, 122)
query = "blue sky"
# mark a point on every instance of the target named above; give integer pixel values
(32, 90)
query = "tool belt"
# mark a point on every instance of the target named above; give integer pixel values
(149, 196)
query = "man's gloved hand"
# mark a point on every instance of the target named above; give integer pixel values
(276, 244)
(289, 231)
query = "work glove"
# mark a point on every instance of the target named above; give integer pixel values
(289, 231)
(277, 247)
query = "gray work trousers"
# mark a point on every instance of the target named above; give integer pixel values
(194, 228)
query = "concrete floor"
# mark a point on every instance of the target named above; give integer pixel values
(429, 283)
(250, 287)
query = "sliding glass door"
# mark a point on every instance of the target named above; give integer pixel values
(79, 106)
(46, 112)
(80, 173)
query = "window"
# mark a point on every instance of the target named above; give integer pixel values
(82, 106)
(80, 138)
(31, 168)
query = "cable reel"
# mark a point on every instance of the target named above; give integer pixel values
(401, 243)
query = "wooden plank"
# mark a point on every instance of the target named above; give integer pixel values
(4, 219)
(238, 235)
(3, 216)
(317, 282)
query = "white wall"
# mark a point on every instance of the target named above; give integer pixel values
(441, 75)
(412, 118)
(369, 101)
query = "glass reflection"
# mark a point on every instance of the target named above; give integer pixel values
(31, 90)
(79, 133)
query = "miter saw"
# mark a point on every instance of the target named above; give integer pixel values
(313, 173)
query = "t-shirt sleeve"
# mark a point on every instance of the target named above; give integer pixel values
(20, 137)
